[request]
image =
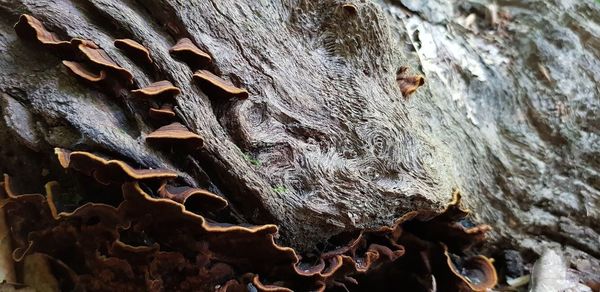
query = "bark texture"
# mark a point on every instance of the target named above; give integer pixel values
(326, 142)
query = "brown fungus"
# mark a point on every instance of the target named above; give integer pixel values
(108, 171)
(157, 244)
(350, 8)
(189, 53)
(85, 73)
(248, 248)
(408, 84)
(134, 49)
(475, 273)
(97, 56)
(194, 199)
(158, 90)
(215, 86)
(29, 28)
(175, 133)
(165, 112)
(268, 288)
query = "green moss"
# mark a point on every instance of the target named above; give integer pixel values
(251, 159)
(280, 189)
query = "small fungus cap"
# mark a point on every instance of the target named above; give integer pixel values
(214, 85)
(161, 90)
(189, 53)
(134, 50)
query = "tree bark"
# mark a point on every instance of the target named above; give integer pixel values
(326, 142)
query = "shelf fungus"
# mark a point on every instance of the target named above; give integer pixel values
(134, 50)
(30, 28)
(194, 199)
(108, 171)
(186, 51)
(98, 56)
(85, 73)
(475, 273)
(175, 133)
(162, 113)
(157, 244)
(215, 86)
(160, 90)
(408, 84)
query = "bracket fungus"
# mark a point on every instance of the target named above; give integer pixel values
(158, 90)
(408, 84)
(97, 56)
(164, 112)
(85, 73)
(175, 133)
(189, 53)
(97, 246)
(215, 86)
(30, 28)
(194, 199)
(108, 171)
(134, 49)
(476, 273)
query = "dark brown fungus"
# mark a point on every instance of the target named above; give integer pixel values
(447, 227)
(223, 241)
(476, 273)
(157, 244)
(85, 73)
(165, 112)
(215, 86)
(268, 288)
(194, 199)
(29, 28)
(175, 133)
(189, 53)
(134, 49)
(350, 8)
(157, 90)
(108, 171)
(99, 57)
(408, 84)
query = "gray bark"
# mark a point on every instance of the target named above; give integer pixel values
(326, 142)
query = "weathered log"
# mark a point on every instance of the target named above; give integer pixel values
(326, 142)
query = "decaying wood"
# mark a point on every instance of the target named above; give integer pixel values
(326, 142)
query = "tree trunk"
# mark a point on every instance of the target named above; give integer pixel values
(326, 142)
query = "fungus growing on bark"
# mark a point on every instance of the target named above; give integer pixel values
(194, 199)
(99, 57)
(175, 133)
(134, 49)
(189, 53)
(408, 84)
(29, 28)
(98, 245)
(158, 90)
(215, 86)
(476, 273)
(85, 73)
(349, 8)
(449, 227)
(108, 171)
(165, 112)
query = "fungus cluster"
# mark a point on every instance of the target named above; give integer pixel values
(158, 243)
(164, 236)
(83, 58)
